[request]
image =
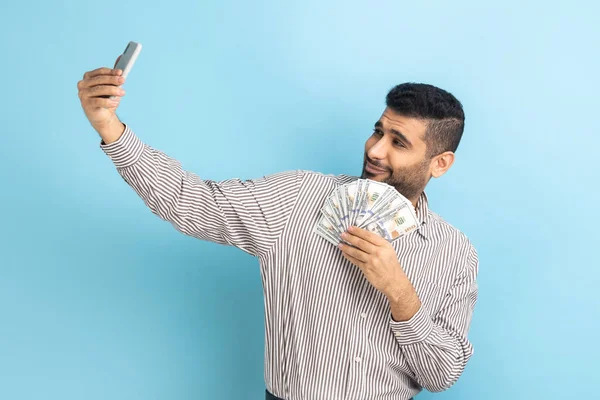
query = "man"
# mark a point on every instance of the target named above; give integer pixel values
(377, 319)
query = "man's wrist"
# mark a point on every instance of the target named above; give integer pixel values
(112, 131)
(403, 300)
(405, 311)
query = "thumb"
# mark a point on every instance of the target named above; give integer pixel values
(116, 62)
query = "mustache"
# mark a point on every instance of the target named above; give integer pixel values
(375, 163)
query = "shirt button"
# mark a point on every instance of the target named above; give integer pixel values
(357, 359)
(363, 315)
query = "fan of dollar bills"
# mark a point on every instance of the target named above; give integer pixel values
(375, 206)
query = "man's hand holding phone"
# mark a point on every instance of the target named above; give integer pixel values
(100, 93)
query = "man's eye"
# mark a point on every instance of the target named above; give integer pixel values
(398, 143)
(377, 132)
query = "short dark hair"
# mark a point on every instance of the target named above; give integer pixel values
(440, 110)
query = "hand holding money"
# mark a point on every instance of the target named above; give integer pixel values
(375, 256)
(374, 206)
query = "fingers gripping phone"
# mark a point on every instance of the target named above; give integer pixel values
(128, 58)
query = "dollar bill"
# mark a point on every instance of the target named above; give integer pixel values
(329, 211)
(397, 223)
(372, 193)
(327, 231)
(375, 206)
(349, 193)
(388, 203)
(336, 210)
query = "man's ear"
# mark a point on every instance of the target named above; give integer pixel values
(441, 163)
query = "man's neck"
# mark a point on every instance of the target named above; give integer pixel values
(415, 201)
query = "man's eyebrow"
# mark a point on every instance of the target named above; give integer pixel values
(396, 133)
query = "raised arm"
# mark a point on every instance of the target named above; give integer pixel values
(248, 214)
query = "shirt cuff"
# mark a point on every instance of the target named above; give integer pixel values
(414, 330)
(126, 150)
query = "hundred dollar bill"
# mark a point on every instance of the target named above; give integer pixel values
(343, 205)
(397, 223)
(378, 228)
(371, 194)
(388, 204)
(327, 231)
(349, 194)
(375, 206)
(335, 210)
(329, 212)
(360, 192)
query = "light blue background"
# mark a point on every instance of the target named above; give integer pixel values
(100, 299)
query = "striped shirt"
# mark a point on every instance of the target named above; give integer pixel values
(329, 334)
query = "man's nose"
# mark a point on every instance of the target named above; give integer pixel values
(378, 151)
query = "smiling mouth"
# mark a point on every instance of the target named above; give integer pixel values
(373, 169)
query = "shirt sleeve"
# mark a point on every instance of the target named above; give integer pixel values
(436, 346)
(248, 214)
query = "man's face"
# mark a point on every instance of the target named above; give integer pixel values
(396, 154)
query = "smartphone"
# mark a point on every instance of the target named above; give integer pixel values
(128, 59)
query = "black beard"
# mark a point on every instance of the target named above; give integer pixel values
(409, 182)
